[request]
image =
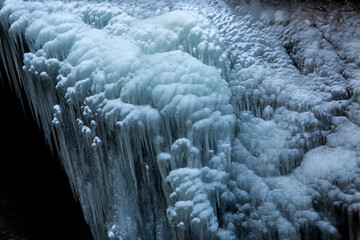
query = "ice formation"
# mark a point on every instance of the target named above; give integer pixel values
(197, 119)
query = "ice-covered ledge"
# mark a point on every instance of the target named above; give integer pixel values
(197, 120)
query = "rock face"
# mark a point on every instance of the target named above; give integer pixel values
(197, 119)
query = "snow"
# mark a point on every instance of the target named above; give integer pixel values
(196, 119)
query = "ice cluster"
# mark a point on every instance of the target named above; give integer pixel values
(197, 119)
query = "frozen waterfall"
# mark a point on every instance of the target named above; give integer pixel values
(197, 119)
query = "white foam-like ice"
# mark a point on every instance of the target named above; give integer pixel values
(197, 119)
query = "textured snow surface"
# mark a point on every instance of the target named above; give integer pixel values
(197, 119)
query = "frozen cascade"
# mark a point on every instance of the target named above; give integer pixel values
(197, 119)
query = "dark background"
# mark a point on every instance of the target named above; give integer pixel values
(36, 200)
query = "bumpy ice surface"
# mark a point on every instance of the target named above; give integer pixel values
(199, 119)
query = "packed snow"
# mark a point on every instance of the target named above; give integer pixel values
(197, 119)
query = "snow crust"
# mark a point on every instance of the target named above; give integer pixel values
(197, 119)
